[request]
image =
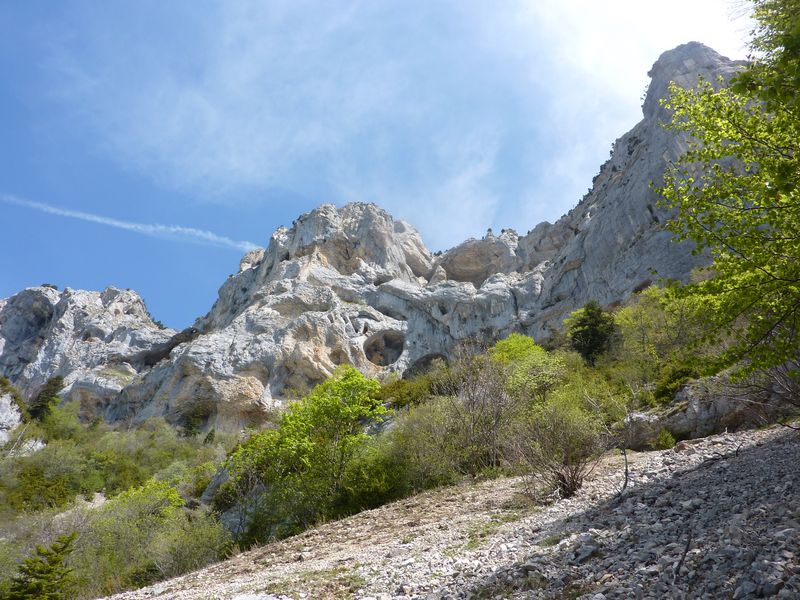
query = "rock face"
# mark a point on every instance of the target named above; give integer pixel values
(353, 285)
(10, 416)
(78, 335)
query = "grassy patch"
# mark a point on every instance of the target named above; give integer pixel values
(551, 540)
(479, 532)
(336, 582)
(118, 374)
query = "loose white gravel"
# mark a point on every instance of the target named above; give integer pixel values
(725, 509)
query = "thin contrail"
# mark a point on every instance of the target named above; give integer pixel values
(173, 232)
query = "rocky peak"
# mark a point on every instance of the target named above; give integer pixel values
(74, 333)
(684, 65)
(355, 238)
(353, 285)
(359, 241)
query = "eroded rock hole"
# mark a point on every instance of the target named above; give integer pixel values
(384, 348)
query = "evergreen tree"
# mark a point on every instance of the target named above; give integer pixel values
(590, 330)
(46, 399)
(44, 575)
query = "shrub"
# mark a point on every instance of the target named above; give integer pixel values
(376, 475)
(400, 393)
(665, 440)
(480, 413)
(45, 576)
(144, 535)
(425, 452)
(49, 478)
(671, 380)
(559, 445)
(442, 380)
(62, 423)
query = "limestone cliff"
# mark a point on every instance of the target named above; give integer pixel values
(78, 335)
(353, 285)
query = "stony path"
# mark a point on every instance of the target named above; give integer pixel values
(726, 509)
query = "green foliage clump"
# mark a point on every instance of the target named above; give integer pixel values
(141, 531)
(559, 444)
(658, 326)
(83, 460)
(590, 330)
(400, 393)
(736, 192)
(196, 418)
(665, 440)
(531, 371)
(671, 381)
(302, 465)
(514, 348)
(144, 535)
(45, 575)
(46, 399)
(423, 452)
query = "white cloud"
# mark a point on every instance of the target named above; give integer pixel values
(171, 232)
(402, 104)
(269, 90)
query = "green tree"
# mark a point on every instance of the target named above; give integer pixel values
(327, 427)
(290, 477)
(44, 575)
(46, 399)
(530, 370)
(736, 192)
(590, 330)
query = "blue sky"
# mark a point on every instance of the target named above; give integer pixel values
(147, 144)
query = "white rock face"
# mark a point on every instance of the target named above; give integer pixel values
(352, 285)
(10, 417)
(82, 336)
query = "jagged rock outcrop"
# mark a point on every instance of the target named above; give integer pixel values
(476, 260)
(613, 242)
(353, 285)
(75, 334)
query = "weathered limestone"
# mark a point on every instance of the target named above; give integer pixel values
(75, 334)
(353, 285)
(10, 416)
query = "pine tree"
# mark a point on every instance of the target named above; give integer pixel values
(590, 331)
(48, 397)
(44, 575)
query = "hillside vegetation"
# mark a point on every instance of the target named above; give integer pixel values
(99, 509)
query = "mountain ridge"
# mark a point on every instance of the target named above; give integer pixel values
(353, 285)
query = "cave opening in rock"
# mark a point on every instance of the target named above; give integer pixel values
(384, 347)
